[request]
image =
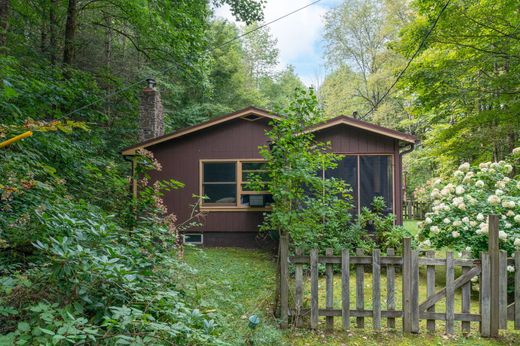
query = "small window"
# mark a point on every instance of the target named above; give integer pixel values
(219, 184)
(193, 238)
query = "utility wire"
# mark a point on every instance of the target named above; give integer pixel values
(121, 90)
(423, 42)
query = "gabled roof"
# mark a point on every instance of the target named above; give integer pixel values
(212, 122)
(360, 124)
(342, 119)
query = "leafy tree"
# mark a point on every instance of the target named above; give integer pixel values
(311, 209)
(464, 83)
(358, 34)
(261, 54)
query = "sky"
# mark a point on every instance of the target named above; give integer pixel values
(299, 36)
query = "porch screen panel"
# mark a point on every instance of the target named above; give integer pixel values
(347, 171)
(219, 183)
(375, 179)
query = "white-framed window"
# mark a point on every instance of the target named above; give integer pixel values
(193, 238)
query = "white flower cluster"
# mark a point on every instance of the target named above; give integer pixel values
(461, 203)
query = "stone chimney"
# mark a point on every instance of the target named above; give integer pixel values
(151, 117)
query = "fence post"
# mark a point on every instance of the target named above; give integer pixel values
(407, 287)
(284, 280)
(494, 256)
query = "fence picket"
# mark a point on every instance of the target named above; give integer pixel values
(407, 288)
(517, 290)
(314, 288)
(502, 290)
(390, 288)
(450, 293)
(494, 290)
(298, 299)
(376, 289)
(466, 299)
(415, 292)
(345, 289)
(360, 290)
(329, 290)
(284, 280)
(430, 290)
(485, 299)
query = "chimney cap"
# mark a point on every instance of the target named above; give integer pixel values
(151, 83)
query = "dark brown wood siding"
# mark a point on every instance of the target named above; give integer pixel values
(235, 139)
(240, 139)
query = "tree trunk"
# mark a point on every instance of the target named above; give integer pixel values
(108, 42)
(53, 30)
(4, 23)
(70, 32)
(44, 29)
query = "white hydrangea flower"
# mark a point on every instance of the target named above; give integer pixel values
(474, 279)
(506, 179)
(500, 184)
(495, 165)
(516, 151)
(464, 167)
(508, 168)
(445, 192)
(473, 223)
(468, 249)
(458, 174)
(499, 192)
(510, 213)
(502, 235)
(457, 223)
(480, 217)
(480, 183)
(446, 208)
(455, 234)
(517, 242)
(484, 165)
(493, 199)
(434, 229)
(508, 225)
(511, 269)
(459, 190)
(517, 218)
(446, 221)
(427, 243)
(428, 221)
(465, 219)
(435, 193)
(462, 206)
(437, 182)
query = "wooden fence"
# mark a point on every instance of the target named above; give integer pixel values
(413, 210)
(493, 312)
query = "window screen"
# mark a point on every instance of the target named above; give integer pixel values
(375, 179)
(219, 183)
(347, 170)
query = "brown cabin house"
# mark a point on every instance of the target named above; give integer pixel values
(214, 158)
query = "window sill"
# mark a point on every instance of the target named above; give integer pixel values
(224, 208)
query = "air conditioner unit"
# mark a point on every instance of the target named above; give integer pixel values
(256, 201)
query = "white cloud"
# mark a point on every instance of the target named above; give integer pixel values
(298, 35)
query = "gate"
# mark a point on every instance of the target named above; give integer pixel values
(490, 270)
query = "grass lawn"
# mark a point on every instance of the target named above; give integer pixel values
(411, 226)
(239, 283)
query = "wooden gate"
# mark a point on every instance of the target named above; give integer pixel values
(490, 270)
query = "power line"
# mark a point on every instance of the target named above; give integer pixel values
(115, 93)
(409, 60)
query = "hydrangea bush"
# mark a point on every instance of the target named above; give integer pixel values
(462, 202)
